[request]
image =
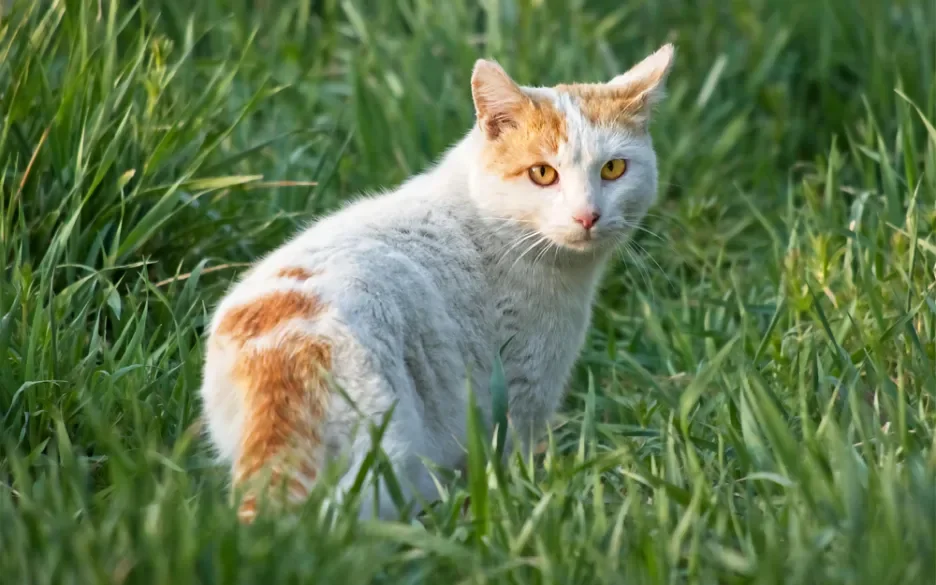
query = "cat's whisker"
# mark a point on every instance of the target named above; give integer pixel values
(635, 254)
(648, 277)
(542, 253)
(642, 229)
(622, 247)
(646, 215)
(541, 239)
(512, 246)
(508, 219)
(667, 220)
(506, 224)
(640, 264)
(644, 252)
(501, 229)
(632, 259)
(522, 237)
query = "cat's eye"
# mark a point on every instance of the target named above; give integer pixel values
(613, 169)
(543, 175)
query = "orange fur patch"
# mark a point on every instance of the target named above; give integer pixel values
(608, 105)
(295, 273)
(536, 132)
(286, 398)
(284, 390)
(265, 313)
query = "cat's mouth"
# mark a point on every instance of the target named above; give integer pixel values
(599, 238)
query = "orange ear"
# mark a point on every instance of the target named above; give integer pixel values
(645, 80)
(497, 99)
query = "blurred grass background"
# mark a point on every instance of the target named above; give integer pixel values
(755, 403)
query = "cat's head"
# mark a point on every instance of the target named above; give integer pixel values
(574, 163)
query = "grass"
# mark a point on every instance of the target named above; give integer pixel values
(756, 402)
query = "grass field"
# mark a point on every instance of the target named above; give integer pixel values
(756, 402)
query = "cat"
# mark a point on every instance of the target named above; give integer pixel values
(396, 300)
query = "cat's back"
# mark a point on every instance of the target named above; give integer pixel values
(382, 264)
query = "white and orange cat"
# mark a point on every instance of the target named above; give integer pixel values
(395, 299)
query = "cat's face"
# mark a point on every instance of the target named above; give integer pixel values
(572, 163)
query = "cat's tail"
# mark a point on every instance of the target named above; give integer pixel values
(281, 443)
(280, 374)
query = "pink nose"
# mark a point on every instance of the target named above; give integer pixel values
(587, 218)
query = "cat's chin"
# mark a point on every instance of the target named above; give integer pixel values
(580, 246)
(583, 245)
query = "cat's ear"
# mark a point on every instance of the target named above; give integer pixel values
(498, 100)
(646, 80)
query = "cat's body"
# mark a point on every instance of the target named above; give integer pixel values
(398, 299)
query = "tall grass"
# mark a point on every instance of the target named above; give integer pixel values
(757, 399)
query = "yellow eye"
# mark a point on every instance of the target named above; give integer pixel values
(613, 169)
(543, 175)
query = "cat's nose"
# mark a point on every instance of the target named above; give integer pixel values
(587, 219)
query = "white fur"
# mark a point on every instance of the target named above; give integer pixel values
(424, 284)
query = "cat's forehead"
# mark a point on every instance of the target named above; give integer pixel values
(594, 118)
(600, 105)
(573, 122)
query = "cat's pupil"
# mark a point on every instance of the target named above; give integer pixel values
(542, 171)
